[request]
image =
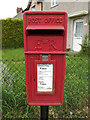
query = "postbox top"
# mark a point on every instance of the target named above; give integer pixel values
(45, 12)
(41, 25)
(41, 19)
(45, 20)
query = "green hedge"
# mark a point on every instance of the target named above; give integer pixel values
(89, 36)
(89, 30)
(12, 33)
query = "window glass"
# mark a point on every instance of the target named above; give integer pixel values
(79, 29)
(33, 8)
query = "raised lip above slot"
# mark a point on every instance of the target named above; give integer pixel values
(45, 27)
(45, 52)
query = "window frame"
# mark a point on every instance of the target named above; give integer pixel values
(54, 3)
(33, 6)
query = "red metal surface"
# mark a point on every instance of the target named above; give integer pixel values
(45, 27)
(45, 33)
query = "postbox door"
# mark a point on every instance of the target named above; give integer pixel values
(56, 95)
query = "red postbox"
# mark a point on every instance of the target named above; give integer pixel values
(45, 34)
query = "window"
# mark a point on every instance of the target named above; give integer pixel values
(53, 3)
(33, 8)
(79, 27)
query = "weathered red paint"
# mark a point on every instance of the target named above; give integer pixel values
(45, 32)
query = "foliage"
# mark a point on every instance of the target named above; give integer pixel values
(12, 33)
(89, 30)
(89, 38)
(68, 49)
(84, 46)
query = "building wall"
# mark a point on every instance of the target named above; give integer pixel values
(71, 8)
(89, 9)
(37, 6)
(70, 29)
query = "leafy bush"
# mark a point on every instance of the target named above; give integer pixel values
(68, 49)
(12, 33)
(85, 45)
(89, 37)
(89, 30)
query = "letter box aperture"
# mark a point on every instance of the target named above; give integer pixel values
(45, 36)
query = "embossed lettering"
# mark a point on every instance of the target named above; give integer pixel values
(34, 20)
(37, 20)
(38, 45)
(51, 44)
(60, 19)
(53, 20)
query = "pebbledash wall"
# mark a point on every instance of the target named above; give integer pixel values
(76, 11)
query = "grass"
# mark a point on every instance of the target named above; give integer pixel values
(14, 88)
(19, 54)
(13, 53)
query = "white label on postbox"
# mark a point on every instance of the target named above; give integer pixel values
(44, 77)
